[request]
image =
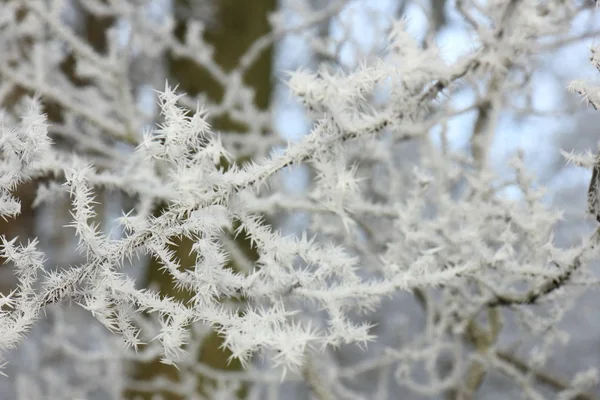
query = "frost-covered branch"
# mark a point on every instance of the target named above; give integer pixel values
(386, 213)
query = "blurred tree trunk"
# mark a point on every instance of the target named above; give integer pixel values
(235, 25)
(438, 14)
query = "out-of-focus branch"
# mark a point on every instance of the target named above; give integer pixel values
(542, 377)
(317, 387)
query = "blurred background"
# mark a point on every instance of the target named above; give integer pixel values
(53, 356)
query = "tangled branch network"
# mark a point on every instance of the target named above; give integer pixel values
(442, 231)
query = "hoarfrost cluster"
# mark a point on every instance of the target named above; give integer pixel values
(377, 224)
